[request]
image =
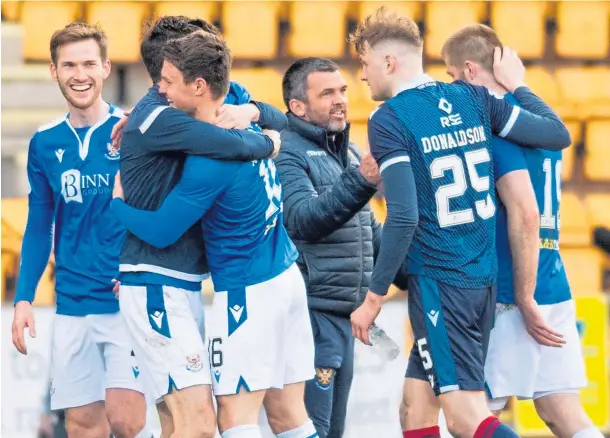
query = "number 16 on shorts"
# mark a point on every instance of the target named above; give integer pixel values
(215, 352)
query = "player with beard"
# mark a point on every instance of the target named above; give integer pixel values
(71, 168)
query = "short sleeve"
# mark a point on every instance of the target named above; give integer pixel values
(507, 157)
(387, 139)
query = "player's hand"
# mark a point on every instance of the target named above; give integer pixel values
(369, 169)
(363, 317)
(508, 69)
(116, 287)
(24, 317)
(236, 116)
(117, 190)
(117, 131)
(45, 428)
(275, 137)
(537, 327)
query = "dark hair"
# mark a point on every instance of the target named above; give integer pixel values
(75, 32)
(385, 25)
(294, 83)
(475, 42)
(202, 55)
(167, 28)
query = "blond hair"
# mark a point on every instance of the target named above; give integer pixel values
(76, 32)
(384, 25)
(475, 42)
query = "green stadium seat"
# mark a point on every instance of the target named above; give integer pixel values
(508, 18)
(122, 22)
(40, 22)
(445, 18)
(317, 29)
(583, 29)
(251, 28)
(597, 151)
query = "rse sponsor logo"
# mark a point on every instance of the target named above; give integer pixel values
(451, 119)
(74, 185)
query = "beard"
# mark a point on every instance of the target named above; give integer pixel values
(79, 103)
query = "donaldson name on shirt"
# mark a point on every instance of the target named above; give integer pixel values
(74, 185)
(450, 140)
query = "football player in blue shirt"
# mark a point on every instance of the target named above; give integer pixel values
(71, 167)
(261, 346)
(432, 142)
(537, 315)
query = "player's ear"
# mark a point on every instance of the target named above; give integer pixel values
(470, 71)
(53, 71)
(390, 63)
(106, 67)
(200, 86)
(297, 107)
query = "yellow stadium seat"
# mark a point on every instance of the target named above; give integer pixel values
(412, 9)
(326, 38)
(445, 18)
(582, 29)
(598, 208)
(40, 22)
(544, 84)
(205, 10)
(567, 159)
(507, 18)
(122, 22)
(360, 103)
(597, 150)
(251, 28)
(358, 135)
(584, 268)
(379, 208)
(586, 88)
(574, 221)
(264, 84)
(10, 10)
(439, 73)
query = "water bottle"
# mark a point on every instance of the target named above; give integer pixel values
(382, 343)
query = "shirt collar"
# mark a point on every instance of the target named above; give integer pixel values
(415, 82)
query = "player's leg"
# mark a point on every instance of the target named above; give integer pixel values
(77, 374)
(165, 419)
(343, 385)
(285, 407)
(561, 375)
(419, 408)
(171, 355)
(125, 404)
(456, 321)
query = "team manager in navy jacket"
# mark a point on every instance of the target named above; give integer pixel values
(326, 211)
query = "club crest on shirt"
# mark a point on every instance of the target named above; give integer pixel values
(324, 377)
(193, 363)
(113, 152)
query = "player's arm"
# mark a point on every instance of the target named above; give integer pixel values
(269, 117)
(400, 281)
(310, 216)
(201, 182)
(389, 146)
(168, 129)
(36, 246)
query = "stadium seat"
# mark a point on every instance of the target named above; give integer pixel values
(264, 84)
(317, 29)
(251, 28)
(584, 267)
(597, 150)
(359, 95)
(444, 18)
(567, 167)
(205, 10)
(122, 22)
(412, 9)
(358, 135)
(10, 10)
(586, 88)
(507, 18)
(39, 24)
(598, 209)
(574, 221)
(379, 208)
(582, 29)
(544, 84)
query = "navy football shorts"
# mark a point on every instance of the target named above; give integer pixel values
(451, 329)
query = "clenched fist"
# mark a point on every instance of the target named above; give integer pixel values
(369, 169)
(275, 137)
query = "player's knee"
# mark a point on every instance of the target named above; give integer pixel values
(124, 426)
(415, 415)
(82, 427)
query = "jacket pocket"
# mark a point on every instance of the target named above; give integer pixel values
(305, 269)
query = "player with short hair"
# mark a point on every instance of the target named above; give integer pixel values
(71, 166)
(160, 293)
(522, 358)
(261, 346)
(432, 142)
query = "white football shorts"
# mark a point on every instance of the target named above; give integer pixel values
(166, 327)
(260, 336)
(90, 354)
(517, 365)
